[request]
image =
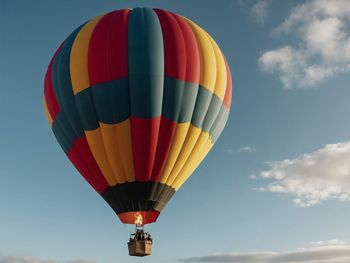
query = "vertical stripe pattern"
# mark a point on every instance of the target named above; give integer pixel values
(136, 99)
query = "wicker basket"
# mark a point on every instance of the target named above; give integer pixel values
(140, 248)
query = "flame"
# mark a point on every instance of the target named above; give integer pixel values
(138, 219)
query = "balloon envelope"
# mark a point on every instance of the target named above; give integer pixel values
(136, 99)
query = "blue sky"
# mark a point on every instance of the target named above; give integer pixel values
(276, 185)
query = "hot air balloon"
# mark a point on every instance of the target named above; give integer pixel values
(136, 99)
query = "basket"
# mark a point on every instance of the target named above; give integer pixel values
(140, 248)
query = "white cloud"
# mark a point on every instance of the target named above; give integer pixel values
(317, 252)
(314, 9)
(331, 242)
(253, 176)
(244, 149)
(312, 178)
(322, 27)
(11, 259)
(25, 259)
(228, 151)
(259, 9)
(247, 149)
(286, 61)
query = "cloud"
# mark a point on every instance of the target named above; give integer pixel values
(321, 28)
(11, 259)
(228, 151)
(25, 259)
(334, 251)
(312, 178)
(333, 242)
(259, 9)
(246, 149)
